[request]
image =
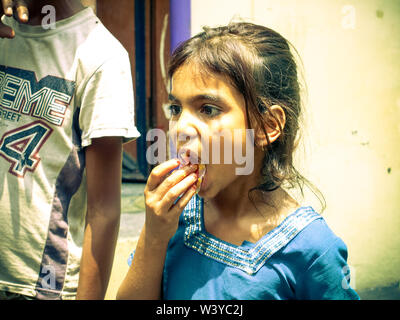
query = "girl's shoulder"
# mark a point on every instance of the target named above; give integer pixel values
(318, 235)
(317, 258)
(314, 241)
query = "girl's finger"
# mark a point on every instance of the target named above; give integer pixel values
(170, 199)
(158, 174)
(7, 7)
(175, 177)
(178, 207)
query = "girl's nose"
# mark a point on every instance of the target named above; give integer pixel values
(186, 128)
(185, 134)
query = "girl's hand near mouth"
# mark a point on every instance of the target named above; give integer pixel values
(167, 195)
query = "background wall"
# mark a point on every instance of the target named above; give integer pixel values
(90, 3)
(350, 52)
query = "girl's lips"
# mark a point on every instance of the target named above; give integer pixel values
(187, 157)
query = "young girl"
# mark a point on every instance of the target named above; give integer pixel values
(242, 236)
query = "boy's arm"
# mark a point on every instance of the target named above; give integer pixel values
(103, 172)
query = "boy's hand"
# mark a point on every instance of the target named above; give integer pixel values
(161, 194)
(22, 14)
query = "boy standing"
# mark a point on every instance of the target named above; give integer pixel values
(66, 107)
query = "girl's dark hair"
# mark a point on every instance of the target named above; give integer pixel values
(259, 64)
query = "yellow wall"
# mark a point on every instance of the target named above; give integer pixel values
(89, 3)
(350, 51)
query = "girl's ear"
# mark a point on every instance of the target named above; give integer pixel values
(274, 124)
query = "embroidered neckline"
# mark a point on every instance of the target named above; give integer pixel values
(249, 258)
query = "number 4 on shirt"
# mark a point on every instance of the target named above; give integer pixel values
(21, 146)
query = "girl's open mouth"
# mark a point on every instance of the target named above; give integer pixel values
(188, 157)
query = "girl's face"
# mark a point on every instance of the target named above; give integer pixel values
(202, 109)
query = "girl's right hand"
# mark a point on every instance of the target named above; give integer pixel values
(161, 194)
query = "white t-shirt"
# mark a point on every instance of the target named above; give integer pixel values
(59, 89)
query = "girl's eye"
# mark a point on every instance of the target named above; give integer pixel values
(174, 110)
(210, 111)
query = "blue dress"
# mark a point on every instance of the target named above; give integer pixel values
(300, 259)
